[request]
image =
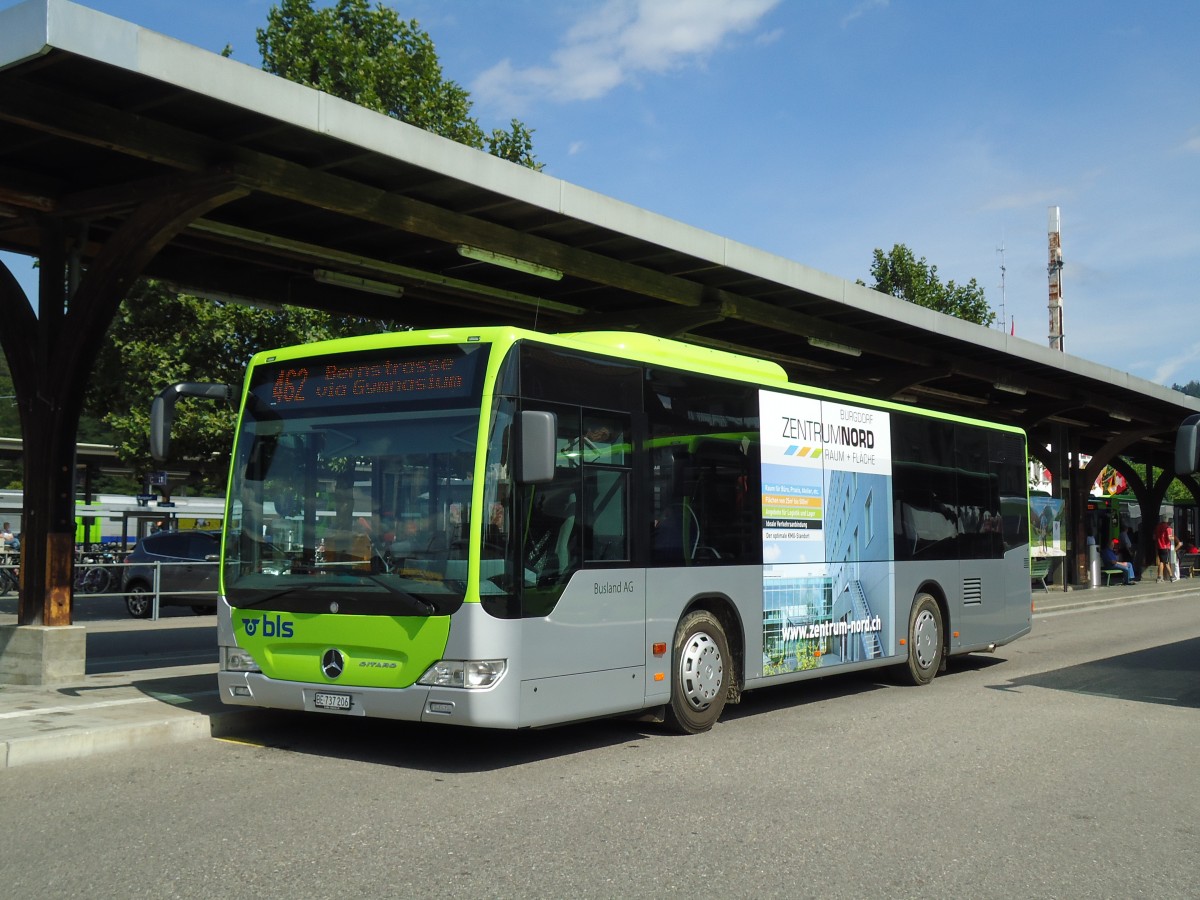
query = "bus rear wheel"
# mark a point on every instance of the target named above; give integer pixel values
(701, 673)
(926, 646)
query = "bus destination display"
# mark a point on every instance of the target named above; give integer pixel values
(353, 379)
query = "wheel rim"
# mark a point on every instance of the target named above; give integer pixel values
(925, 639)
(138, 602)
(701, 670)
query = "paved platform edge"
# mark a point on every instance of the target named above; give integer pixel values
(85, 741)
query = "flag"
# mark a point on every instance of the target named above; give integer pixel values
(1013, 330)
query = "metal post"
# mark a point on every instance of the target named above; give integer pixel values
(157, 583)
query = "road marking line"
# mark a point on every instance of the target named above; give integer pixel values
(46, 710)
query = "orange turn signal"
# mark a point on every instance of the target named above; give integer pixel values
(659, 676)
(659, 648)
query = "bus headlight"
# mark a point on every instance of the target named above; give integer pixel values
(464, 673)
(235, 659)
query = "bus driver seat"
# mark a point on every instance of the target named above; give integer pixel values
(550, 549)
(562, 545)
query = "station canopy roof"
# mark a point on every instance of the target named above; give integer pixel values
(353, 212)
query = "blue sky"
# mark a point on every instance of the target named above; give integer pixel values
(821, 130)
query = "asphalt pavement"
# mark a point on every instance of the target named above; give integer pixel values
(165, 690)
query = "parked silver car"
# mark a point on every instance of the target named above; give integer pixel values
(189, 563)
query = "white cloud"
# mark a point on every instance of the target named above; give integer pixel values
(1169, 368)
(620, 40)
(862, 9)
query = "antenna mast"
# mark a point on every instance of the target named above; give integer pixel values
(1054, 234)
(1003, 270)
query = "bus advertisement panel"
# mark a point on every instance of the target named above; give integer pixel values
(828, 583)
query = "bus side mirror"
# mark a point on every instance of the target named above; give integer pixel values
(539, 432)
(162, 411)
(1187, 446)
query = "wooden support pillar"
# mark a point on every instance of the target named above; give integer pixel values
(48, 425)
(52, 355)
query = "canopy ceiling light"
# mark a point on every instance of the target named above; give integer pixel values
(366, 285)
(834, 346)
(1120, 417)
(222, 296)
(509, 262)
(1010, 388)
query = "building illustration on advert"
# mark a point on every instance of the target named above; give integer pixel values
(828, 585)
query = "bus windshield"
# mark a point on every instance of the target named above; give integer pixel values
(340, 502)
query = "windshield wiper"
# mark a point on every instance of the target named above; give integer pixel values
(423, 607)
(274, 595)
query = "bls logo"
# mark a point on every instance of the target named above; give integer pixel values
(270, 627)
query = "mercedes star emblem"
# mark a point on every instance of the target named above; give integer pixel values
(332, 663)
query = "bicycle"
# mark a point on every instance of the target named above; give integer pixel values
(91, 573)
(10, 573)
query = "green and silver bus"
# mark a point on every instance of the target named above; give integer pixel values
(500, 528)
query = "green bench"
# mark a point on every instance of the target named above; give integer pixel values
(1109, 574)
(1039, 568)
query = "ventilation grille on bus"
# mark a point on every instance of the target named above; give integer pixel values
(972, 591)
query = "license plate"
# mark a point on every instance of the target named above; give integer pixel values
(322, 700)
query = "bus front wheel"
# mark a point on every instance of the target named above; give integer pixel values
(925, 642)
(701, 663)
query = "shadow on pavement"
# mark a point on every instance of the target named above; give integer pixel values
(452, 749)
(424, 747)
(1167, 674)
(137, 649)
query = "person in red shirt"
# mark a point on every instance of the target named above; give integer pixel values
(1164, 539)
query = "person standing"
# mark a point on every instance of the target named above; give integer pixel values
(1164, 540)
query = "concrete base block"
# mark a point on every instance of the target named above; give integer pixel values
(41, 654)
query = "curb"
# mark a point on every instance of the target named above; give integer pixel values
(85, 741)
(1084, 599)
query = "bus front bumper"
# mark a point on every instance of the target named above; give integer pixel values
(491, 708)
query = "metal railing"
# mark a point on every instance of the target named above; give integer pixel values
(98, 578)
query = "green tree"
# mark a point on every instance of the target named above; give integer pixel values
(1192, 388)
(372, 57)
(146, 350)
(902, 275)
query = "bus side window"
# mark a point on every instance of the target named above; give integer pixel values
(606, 477)
(606, 531)
(550, 547)
(705, 470)
(551, 515)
